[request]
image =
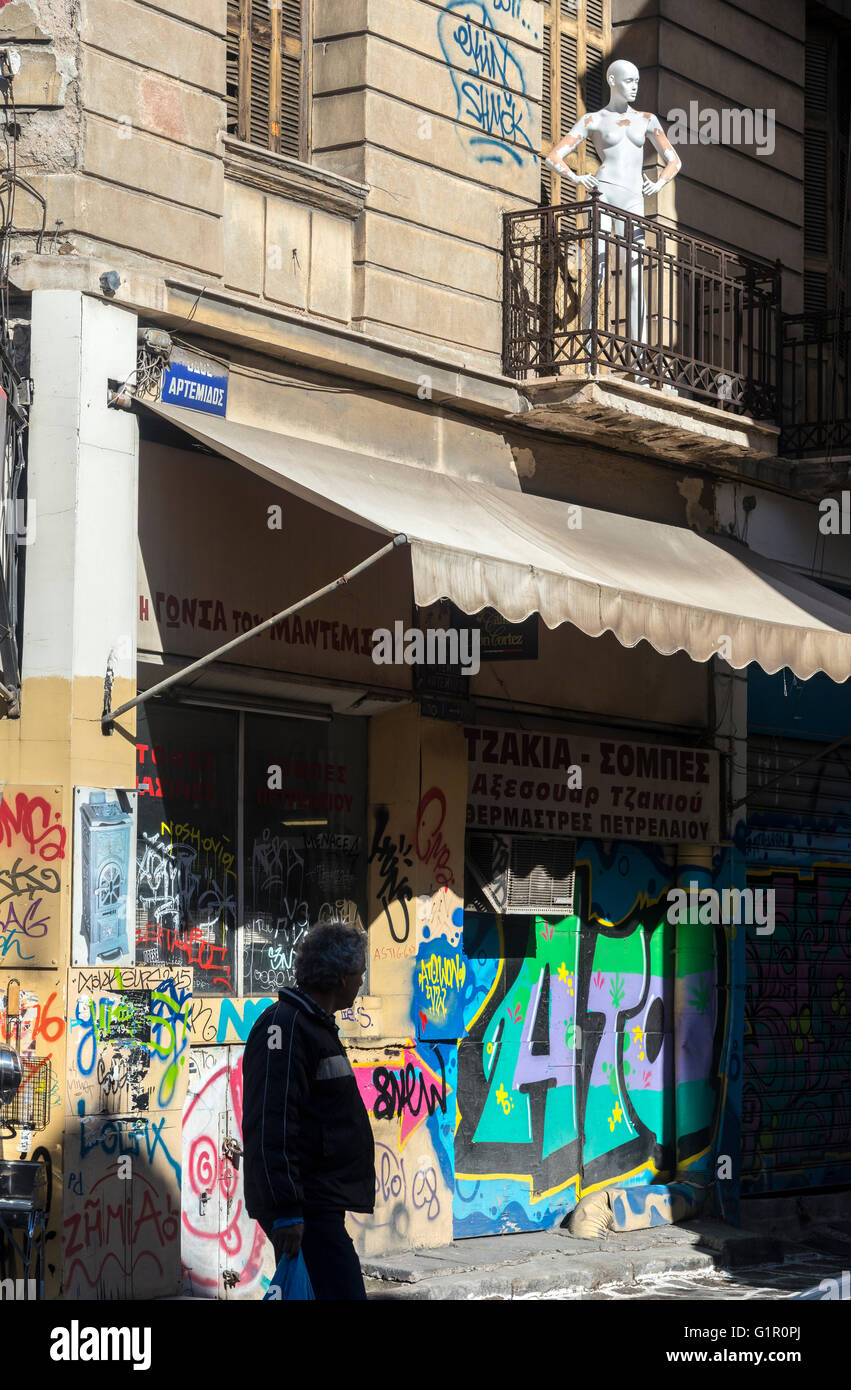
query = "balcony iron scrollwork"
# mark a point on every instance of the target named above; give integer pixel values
(591, 289)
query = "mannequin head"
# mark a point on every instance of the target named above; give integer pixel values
(623, 79)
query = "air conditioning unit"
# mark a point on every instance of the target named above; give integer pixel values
(521, 874)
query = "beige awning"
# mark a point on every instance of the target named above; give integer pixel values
(485, 546)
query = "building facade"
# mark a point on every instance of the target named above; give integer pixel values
(288, 282)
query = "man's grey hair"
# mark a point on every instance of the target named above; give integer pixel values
(327, 951)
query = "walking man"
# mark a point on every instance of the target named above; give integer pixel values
(309, 1151)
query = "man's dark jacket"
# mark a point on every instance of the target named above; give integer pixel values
(306, 1133)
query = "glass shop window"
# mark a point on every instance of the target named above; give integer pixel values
(304, 845)
(250, 828)
(187, 898)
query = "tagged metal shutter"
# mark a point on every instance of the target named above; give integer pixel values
(796, 1104)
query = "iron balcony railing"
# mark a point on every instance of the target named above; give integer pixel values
(816, 384)
(589, 288)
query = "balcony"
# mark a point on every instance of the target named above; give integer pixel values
(816, 417)
(667, 342)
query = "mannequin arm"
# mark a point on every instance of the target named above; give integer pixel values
(571, 142)
(673, 163)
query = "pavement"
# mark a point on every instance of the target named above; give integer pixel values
(554, 1263)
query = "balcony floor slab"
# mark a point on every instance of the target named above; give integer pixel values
(642, 420)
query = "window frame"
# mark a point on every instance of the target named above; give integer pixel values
(241, 27)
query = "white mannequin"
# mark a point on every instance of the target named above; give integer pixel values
(618, 134)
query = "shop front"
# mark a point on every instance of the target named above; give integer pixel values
(548, 1015)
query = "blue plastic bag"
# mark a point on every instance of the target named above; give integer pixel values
(291, 1282)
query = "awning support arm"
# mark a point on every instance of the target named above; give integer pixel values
(109, 716)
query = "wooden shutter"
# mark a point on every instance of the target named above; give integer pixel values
(265, 72)
(547, 116)
(232, 80)
(577, 44)
(826, 142)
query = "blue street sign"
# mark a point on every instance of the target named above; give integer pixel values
(197, 384)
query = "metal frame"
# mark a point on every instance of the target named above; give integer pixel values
(816, 357)
(712, 315)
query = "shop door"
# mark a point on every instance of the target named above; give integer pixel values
(225, 1254)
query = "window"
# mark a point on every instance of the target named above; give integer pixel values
(231, 870)
(577, 42)
(266, 68)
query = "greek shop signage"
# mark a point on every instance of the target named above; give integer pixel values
(196, 383)
(600, 788)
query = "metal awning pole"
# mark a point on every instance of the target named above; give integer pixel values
(109, 716)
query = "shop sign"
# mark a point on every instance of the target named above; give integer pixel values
(197, 383)
(500, 640)
(558, 784)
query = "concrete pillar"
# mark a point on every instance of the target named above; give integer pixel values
(79, 609)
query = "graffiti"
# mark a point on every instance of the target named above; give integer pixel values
(190, 948)
(121, 1238)
(32, 848)
(186, 902)
(489, 83)
(131, 1043)
(279, 911)
(226, 1020)
(409, 1092)
(222, 1248)
(424, 1193)
(439, 980)
(392, 858)
(358, 1015)
(431, 847)
(20, 933)
(797, 1053)
(17, 881)
(33, 821)
(566, 1067)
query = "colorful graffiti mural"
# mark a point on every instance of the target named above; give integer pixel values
(127, 1054)
(555, 1057)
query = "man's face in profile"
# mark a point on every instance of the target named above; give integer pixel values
(349, 986)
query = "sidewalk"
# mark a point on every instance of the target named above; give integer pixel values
(510, 1266)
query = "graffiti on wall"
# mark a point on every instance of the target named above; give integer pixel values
(128, 1039)
(796, 1123)
(127, 1056)
(33, 863)
(567, 1067)
(186, 902)
(487, 69)
(224, 1252)
(121, 1230)
(409, 1094)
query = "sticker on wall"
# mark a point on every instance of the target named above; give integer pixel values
(104, 876)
